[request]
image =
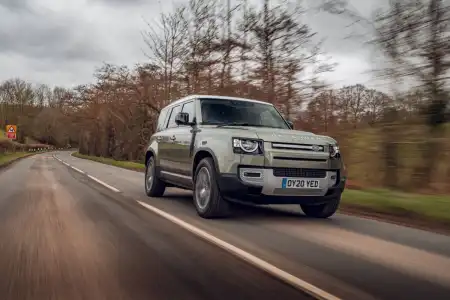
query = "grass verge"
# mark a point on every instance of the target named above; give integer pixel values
(8, 158)
(422, 211)
(415, 210)
(135, 166)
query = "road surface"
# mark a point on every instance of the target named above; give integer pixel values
(63, 235)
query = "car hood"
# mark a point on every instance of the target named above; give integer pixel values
(281, 135)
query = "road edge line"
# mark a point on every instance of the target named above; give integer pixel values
(246, 256)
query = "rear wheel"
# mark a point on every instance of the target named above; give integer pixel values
(322, 211)
(154, 187)
(207, 199)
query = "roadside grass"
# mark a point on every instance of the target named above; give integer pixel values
(135, 166)
(409, 208)
(7, 158)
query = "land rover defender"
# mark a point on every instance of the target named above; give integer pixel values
(233, 149)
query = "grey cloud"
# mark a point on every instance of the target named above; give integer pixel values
(15, 5)
(340, 37)
(65, 46)
(48, 36)
(122, 2)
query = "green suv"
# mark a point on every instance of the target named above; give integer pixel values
(232, 149)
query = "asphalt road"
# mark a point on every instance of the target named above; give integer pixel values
(65, 236)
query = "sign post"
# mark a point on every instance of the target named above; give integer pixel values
(11, 132)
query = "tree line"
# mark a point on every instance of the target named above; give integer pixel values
(266, 53)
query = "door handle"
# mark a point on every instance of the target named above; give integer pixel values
(173, 138)
(159, 138)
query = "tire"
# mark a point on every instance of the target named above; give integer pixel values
(154, 187)
(211, 204)
(322, 211)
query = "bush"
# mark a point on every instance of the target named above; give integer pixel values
(11, 146)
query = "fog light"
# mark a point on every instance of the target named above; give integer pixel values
(252, 174)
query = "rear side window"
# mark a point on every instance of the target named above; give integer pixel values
(175, 110)
(162, 120)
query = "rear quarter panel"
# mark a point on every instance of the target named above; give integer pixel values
(153, 148)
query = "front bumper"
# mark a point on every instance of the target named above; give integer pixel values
(266, 189)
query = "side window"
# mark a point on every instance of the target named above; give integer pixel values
(162, 120)
(189, 108)
(175, 110)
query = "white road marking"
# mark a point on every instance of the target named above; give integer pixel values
(78, 170)
(103, 183)
(90, 176)
(255, 261)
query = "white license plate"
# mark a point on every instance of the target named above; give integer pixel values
(291, 183)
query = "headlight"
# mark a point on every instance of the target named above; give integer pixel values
(247, 146)
(334, 151)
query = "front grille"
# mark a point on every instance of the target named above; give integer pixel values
(295, 172)
(302, 147)
(299, 159)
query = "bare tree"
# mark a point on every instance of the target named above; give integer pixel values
(322, 111)
(168, 47)
(352, 103)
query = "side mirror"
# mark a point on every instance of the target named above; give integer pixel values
(290, 124)
(182, 118)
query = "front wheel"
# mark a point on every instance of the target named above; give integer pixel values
(207, 199)
(321, 211)
(154, 187)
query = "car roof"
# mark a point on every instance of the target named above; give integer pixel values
(191, 97)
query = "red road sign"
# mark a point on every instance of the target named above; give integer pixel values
(11, 132)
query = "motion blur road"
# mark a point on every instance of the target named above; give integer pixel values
(65, 236)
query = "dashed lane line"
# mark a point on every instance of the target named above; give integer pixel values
(78, 170)
(90, 176)
(103, 183)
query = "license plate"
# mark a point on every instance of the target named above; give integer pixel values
(289, 183)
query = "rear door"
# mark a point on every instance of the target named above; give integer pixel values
(160, 132)
(166, 140)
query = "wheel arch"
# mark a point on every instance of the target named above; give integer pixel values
(200, 154)
(149, 154)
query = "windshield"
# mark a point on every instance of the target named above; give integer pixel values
(238, 112)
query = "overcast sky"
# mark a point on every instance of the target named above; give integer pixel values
(61, 42)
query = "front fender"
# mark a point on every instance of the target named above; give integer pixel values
(202, 151)
(221, 149)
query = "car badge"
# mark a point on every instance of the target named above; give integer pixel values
(316, 148)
